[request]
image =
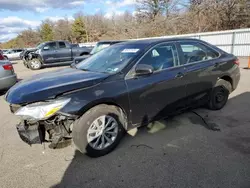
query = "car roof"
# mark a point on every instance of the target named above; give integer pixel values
(154, 41)
(110, 41)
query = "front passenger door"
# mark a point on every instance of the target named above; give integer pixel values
(162, 92)
(48, 53)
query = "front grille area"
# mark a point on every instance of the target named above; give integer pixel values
(14, 107)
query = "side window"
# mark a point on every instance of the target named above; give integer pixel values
(62, 45)
(161, 57)
(195, 51)
(50, 46)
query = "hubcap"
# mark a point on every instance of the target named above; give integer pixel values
(35, 64)
(102, 132)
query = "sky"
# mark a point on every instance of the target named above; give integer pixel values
(18, 15)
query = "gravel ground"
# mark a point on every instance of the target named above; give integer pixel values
(183, 154)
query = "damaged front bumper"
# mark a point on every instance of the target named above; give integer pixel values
(56, 130)
(31, 134)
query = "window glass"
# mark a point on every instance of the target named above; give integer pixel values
(62, 45)
(111, 59)
(195, 51)
(51, 46)
(99, 47)
(161, 57)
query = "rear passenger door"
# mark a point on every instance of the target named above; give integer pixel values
(64, 52)
(200, 62)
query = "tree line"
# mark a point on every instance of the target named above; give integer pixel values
(151, 18)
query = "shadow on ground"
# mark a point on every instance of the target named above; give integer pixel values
(180, 154)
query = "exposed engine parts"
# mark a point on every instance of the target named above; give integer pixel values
(58, 129)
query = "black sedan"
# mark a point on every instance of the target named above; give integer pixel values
(121, 88)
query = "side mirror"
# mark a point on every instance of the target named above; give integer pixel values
(143, 69)
(45, 48)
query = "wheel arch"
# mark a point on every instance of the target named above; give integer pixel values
(120, 108)
(38, 56)
(227, 78)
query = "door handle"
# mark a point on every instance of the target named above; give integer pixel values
(179, 75)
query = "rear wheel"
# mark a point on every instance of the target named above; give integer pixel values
(219, 95)
(5, 57)
(35, 64)
(99, 130)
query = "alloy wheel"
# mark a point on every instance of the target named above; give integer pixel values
(102, 132)
(35, 64)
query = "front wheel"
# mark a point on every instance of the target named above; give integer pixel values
(219, 95)
(35, 64)
(99, 130)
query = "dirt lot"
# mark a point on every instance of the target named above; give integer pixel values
(184, 154)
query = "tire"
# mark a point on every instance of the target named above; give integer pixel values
(34, 64)
(83, 127)
(219, 95)
(5, 57)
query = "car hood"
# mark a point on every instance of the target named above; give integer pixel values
(49, 85)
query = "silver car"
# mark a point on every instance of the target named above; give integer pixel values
(7, 75)
(13, 54)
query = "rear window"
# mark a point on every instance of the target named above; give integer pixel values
(196, 51)
(62, 45)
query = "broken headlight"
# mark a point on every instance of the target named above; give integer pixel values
(41, 110)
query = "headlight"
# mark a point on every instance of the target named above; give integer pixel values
(41, 110)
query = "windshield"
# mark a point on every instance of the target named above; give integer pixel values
(98, 47)
(40, 46)
(112, 59)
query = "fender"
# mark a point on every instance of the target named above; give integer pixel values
(38, 56)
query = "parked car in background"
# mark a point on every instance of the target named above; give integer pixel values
(52, 53)
(13, 54)
(7, 74)
(5, 50)
(120, 88)
(98, 47)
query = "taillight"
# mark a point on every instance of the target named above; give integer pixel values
(1, 56)
(8, 67)
(237, 62)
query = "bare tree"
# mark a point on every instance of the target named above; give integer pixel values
(62, 30)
